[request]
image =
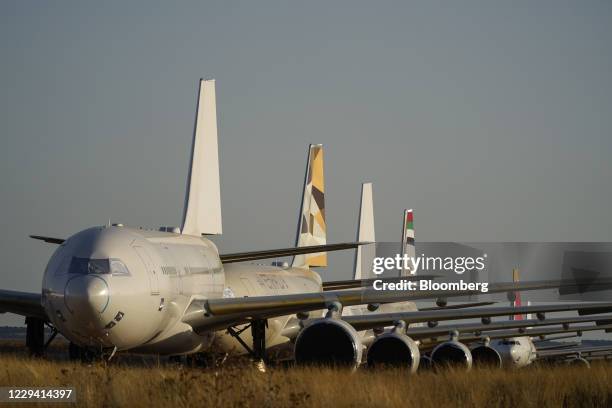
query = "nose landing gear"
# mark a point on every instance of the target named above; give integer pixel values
(35, 336)
(83, 354)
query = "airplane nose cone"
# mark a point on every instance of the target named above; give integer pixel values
(86, 293)
(514, 354)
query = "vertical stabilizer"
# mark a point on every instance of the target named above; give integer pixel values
(364, 255)
(528, 316)
(408, 248)
(312, 229)
(516, 302)
(202, 212)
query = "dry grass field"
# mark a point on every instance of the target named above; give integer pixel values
(151, 383)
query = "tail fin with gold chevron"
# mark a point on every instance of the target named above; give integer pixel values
(312, 229)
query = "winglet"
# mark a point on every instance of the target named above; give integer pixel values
(312, 228)
(202, 212)
(364, 255)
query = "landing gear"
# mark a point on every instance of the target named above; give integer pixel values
(82, 354)
(74, 352)
(35, 336)
(258, 332)
(202, 360)
(425, 363)
(178, 360)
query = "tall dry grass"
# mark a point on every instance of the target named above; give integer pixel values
(150, 385)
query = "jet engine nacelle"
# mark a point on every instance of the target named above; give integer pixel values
(486, 356)
(328, 341)
(451, 353)
(394, 349)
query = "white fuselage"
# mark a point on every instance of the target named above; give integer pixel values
(128, 288)
(515, 351)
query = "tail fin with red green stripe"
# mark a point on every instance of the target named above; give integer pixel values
(408, 241)
(517, 296)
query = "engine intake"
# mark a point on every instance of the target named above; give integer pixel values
(451, 353)
(395, 350)
(328, 341)
(486, 356)
(579, 362)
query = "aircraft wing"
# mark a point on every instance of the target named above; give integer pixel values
(253, 306)
(458, 306)
(544, 338)
(253, 255)
(565, 345)
(50, 240)
(427, 332)
(544, 332)
(362, 283)
(22, 303)
(209, 314)
(370, 321)
(244, 256)
(277, 253)
(500, 334)
(573, 350)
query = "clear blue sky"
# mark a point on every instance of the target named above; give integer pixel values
(491, 119)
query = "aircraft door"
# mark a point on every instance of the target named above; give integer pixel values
(150, 267)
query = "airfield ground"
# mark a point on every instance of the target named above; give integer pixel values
(152, 382)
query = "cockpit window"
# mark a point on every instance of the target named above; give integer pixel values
(98, 266)
(118, 267)
(84, 266)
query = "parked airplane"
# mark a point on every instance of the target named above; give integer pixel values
(170, 291)
(515, 351)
